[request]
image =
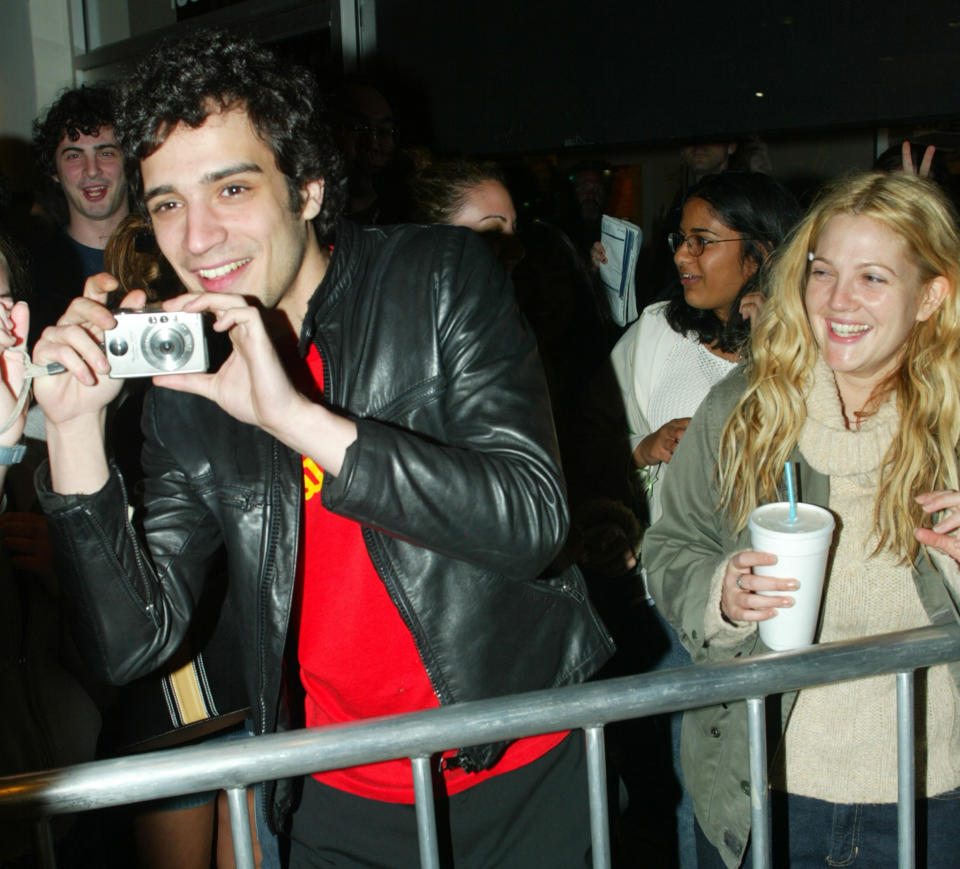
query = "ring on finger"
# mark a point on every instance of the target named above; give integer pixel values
(740, 582)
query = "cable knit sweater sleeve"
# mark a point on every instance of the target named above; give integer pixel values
(635, 360)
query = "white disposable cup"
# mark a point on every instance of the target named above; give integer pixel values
(801, 547)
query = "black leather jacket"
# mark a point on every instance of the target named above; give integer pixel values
(454, 476)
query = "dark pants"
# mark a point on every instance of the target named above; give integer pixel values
(812, 834)
(534, 816)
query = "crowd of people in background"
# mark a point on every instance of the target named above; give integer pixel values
(668, 431)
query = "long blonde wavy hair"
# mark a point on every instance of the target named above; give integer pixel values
(764, 427)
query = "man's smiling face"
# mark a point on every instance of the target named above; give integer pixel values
(90, 172)
(221, 212)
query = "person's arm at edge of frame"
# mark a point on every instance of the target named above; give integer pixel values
(75, 403)
(14, 325)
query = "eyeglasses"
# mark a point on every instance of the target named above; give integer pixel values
(383, 132)
(696, 243)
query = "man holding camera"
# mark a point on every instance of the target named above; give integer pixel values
(376, 455)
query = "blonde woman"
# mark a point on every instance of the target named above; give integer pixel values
(853, 374)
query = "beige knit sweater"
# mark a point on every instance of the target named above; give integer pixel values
(841, 740)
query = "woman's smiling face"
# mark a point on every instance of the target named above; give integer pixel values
(712, 280)
(864, 294)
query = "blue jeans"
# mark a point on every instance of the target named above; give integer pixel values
(269, 844)
(811, 834)
(677, 656)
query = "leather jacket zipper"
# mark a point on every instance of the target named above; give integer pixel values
(383, 569)
(141, 570)
(273, 532)
(389, 580)
(264, 793)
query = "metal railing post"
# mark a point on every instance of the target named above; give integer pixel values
(426, 814)
(43, 844)
(597, 791)
(240, 828)
(906, 774)
(760, 827)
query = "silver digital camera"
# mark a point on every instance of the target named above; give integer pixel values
(153, 341)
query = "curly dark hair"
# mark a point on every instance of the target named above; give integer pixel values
(440, 190)
(76, 112)
(183, 81)
(762, 211)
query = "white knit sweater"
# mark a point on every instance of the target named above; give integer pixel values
(663, 375)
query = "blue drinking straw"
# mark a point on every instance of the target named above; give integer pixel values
(791, 491)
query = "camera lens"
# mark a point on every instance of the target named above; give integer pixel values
(167, 347)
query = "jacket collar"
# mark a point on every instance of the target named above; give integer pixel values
(345, 264)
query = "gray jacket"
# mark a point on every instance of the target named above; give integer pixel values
(681, 553)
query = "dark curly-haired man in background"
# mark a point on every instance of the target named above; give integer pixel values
(85, 191)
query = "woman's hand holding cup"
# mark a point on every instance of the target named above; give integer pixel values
(739, 597)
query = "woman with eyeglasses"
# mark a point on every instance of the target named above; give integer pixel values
(852, 376)
(669, 359)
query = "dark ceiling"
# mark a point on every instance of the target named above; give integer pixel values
(536, 75)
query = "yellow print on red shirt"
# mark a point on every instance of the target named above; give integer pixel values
(312, 478)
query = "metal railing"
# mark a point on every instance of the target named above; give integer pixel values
(235, 764)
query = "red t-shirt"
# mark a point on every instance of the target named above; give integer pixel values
(357, 656)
